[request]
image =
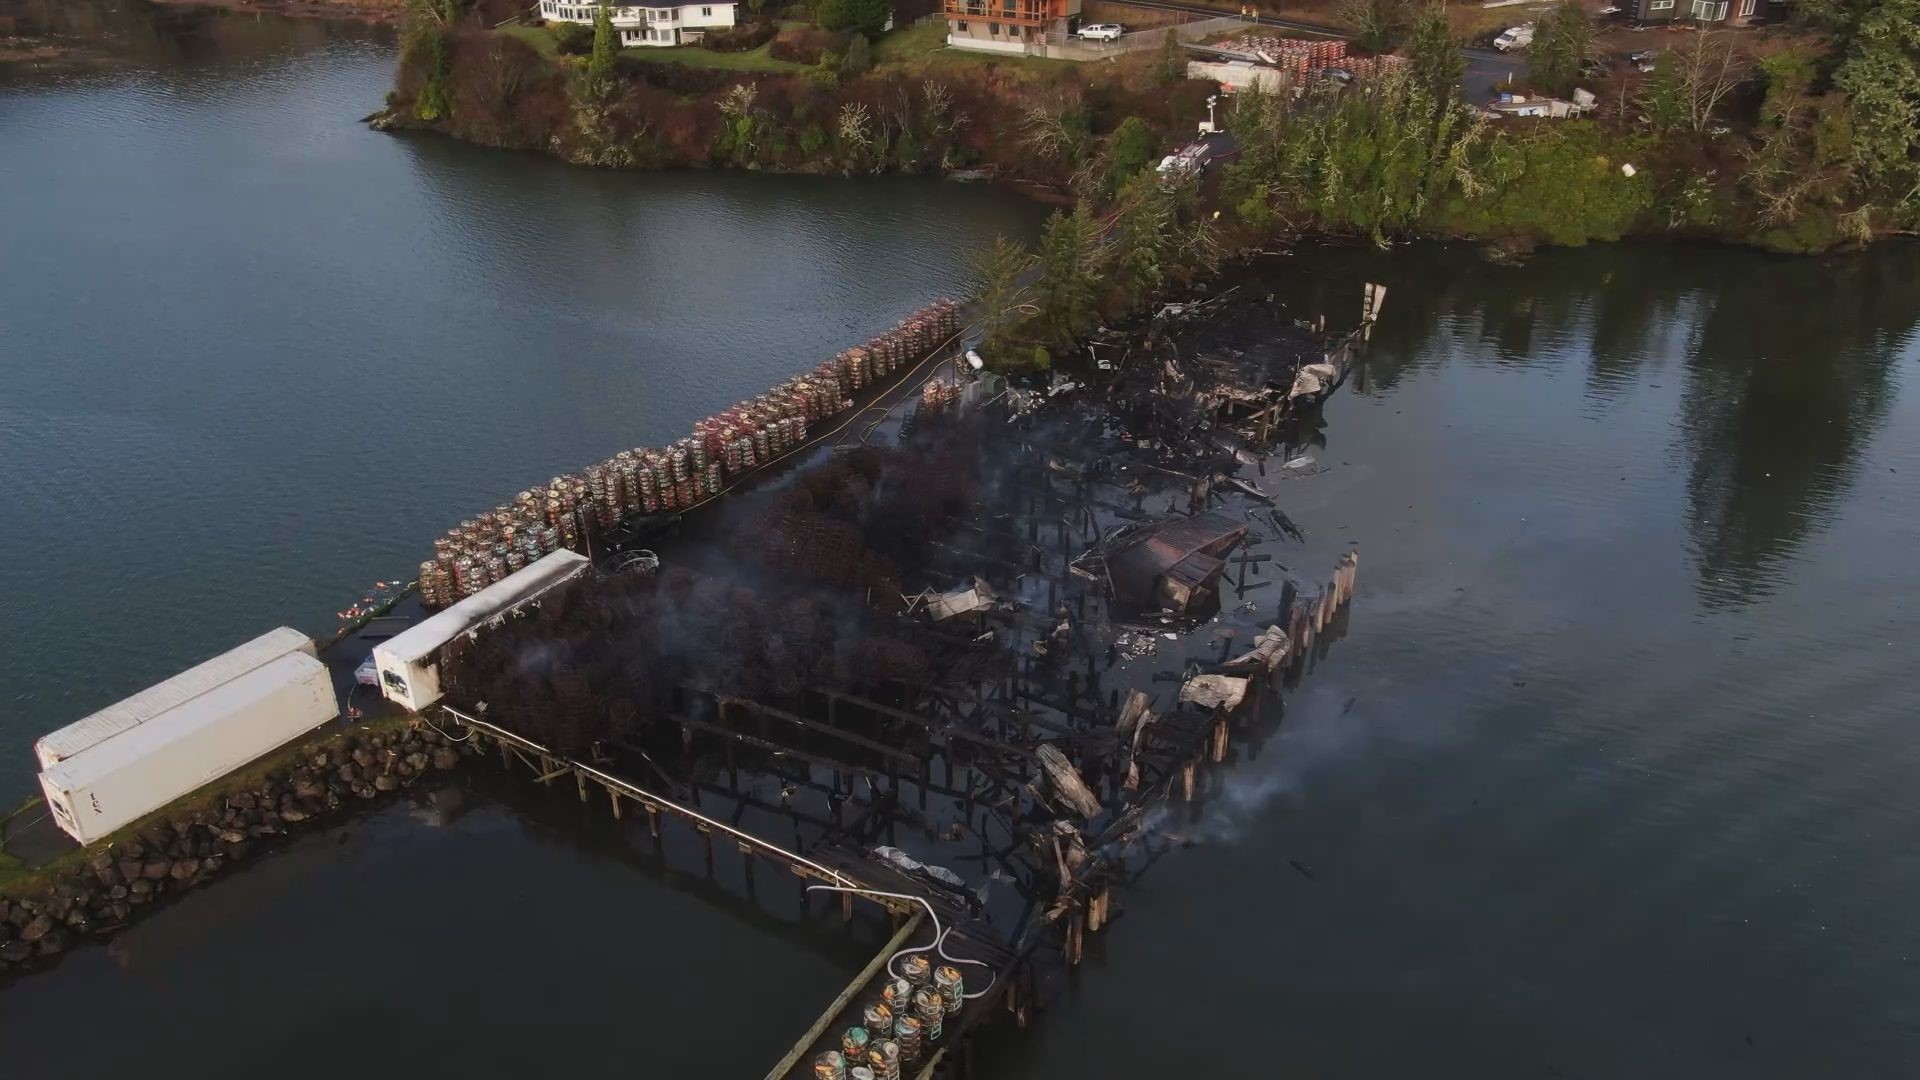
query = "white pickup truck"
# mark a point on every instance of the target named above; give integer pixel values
(1514, 37)
(1110, 31)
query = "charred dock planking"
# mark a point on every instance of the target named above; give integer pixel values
(977, 725)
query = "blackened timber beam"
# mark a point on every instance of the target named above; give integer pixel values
(1031, 717)
(771, 747)
(1011, 713)
(902, 756)
(930, 725)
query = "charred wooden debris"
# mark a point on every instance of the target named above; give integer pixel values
(954, 664)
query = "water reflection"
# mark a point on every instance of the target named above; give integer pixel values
(1786, 366)
(142, 34)
(1788, 379)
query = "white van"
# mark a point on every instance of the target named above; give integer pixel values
(1514, 37)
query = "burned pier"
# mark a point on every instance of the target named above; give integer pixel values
(961, 667)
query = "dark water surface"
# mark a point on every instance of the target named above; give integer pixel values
(1614, 774)
(254, 357)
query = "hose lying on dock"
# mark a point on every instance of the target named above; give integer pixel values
(938, 944)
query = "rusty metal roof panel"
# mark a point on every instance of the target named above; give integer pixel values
(1166, 545)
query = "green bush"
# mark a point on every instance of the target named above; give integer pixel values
(572, 39)
(1556, 180)
(744, 38)
(1129, 151)
(859, 56)
(861, 16)
(1815, 231)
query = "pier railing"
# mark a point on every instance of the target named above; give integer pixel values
(618, 788)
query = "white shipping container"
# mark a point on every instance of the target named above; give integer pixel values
(409, 662)
(135, 773)
(156, 699)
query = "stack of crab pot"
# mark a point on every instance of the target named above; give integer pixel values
(936, 395)
(722, 448)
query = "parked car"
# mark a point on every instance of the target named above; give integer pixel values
(1106, 31)
(1514, 37)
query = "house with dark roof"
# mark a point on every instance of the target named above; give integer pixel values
(1714, 12)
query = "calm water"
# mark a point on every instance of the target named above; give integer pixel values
(1614, 775)
(254, 357)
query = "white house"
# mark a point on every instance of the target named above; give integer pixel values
(681, 24)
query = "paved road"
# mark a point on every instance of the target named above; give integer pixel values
(1486, 68)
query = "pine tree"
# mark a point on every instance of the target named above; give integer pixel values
(859, 56)
(600, 65)
(1003, 294)
(1068, 289)
(1434, 53)
(1561, 40)
(1129, 151)
(1171, 66)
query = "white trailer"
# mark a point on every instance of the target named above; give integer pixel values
(122, 779)
(126, 715)
(409, 662)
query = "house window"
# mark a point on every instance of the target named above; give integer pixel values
(993, 28)
(707, 11)
(1746, 7)
(1709, 11)
(1660, 5)
(959, 28)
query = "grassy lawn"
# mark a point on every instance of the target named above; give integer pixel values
(913, 43)
(539, 37)
(924, 47)
(692, 55)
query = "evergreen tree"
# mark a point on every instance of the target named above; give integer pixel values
(1562, 38)
(1003, 295)
(1069, 286)
(1433, 52)
(600, 65)
(859, 56)
(1171, 66)
(867, 17)
(1377, 24)
(1142, 237)
(1129, 151)
(1881, 76)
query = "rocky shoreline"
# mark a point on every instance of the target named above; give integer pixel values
(324, 782)
(375, 12)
